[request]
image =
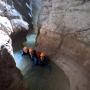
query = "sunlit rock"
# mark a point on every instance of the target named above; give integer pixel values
(19, 24)
(11, 23)
(5, 31)
(6, 25)
(14, 16)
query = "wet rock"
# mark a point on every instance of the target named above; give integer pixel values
(11, 25)
(10, 77)
(5, 31)
(16, 19)
(25, 8)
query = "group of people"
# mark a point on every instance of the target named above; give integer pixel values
(38, 58)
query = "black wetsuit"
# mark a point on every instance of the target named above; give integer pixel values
(44, 62)
(23, 53)
(34, 57)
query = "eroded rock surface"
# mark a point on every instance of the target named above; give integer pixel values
(65, 35)
(11, 23)
(10, 77)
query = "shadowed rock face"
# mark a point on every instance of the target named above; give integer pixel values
(24, 7)
(10, 77)
(65, 35)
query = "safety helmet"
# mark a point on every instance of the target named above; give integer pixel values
(30, 49)
(42, 54)
(25, 48)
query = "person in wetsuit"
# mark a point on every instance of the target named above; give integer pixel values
(33, 56)
(25, 51)
(43, 59)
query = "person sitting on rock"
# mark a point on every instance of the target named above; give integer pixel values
(25, 51)
(33, 56)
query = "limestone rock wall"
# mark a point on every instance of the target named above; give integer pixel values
(10, 76)
(11, 24)
(65, 25)
(64, 30)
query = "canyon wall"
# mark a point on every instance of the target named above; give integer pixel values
(10, 76)
(64, 33)
(65, 24)
(11, 24)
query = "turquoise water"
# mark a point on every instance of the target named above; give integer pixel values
(30, 40)
(49, 77)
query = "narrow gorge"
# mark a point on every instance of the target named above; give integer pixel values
(61, 28)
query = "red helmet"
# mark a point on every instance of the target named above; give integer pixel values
(42, 54)
(30, 49)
